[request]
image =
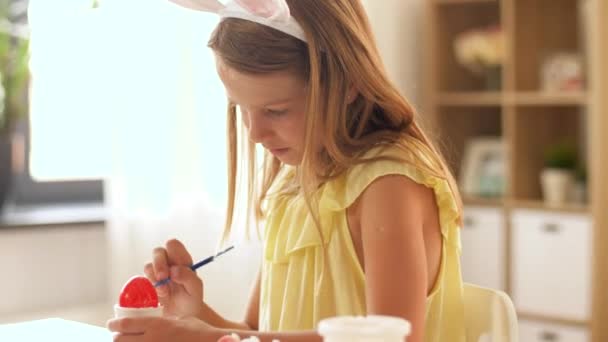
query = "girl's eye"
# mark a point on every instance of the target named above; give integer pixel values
(276, 112)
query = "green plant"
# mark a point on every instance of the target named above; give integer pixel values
(14, 71)
(561, 156)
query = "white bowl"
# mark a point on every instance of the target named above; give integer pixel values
(120, 312)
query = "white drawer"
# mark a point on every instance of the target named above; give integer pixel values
(541, 332)
(551, 264)
(483, 246)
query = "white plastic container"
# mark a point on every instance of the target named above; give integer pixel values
(120, 312)
(364, 329)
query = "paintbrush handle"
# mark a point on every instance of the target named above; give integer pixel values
(196, 266)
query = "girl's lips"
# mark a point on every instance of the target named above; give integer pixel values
(278, 151)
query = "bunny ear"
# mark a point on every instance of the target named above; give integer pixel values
(272, 13)
(213, 6)
(276, 9)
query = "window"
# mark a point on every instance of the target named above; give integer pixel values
(54, 165)
(108, 90)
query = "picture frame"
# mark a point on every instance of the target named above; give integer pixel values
(483, 169)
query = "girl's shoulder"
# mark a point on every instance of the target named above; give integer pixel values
(409, 158)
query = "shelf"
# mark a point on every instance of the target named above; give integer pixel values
(52, 215)
(460, 2)
(524, 204)
(470, 99)
(482, 201)
(528, 98)
(530, 120)
(550, 99)
(540, 205)
(554, 320)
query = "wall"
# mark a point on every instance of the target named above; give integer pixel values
(398, 29)
(46, 267)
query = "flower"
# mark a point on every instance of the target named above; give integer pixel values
(480, 49)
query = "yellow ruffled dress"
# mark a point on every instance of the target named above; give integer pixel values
(297, 292)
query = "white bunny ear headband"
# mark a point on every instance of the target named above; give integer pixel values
(271, 13)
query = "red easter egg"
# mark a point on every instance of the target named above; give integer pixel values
(138, 292)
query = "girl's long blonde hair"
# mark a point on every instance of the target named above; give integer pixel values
(340, 55)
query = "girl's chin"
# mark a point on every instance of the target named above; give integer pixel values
(290, 161)
(287, 157)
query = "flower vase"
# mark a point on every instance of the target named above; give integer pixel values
(493, 78)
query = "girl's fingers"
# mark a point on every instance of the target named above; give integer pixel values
(149, 272)
(184, 276)
(177, 254)
(160, 263)
(162, 291)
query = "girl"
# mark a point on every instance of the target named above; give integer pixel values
(361, 213)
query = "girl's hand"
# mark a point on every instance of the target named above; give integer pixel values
(183, 295)
(156, 329)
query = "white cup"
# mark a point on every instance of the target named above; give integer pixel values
(120, 312)
(364, 329)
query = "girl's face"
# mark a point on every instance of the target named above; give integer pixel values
(272, 107)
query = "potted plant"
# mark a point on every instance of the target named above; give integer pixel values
(14, 77)
(557, 177)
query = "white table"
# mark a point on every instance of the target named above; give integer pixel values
(53, 329)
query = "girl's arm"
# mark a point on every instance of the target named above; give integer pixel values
(251, 316)
(391, 217)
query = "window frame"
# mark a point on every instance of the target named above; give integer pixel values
(28, 191)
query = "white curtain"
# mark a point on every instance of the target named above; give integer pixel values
(168, 173)
(143, 95)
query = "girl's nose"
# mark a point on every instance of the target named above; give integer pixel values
(257, 127)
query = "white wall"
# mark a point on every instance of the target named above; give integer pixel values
(47, 267)
(397, 25)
